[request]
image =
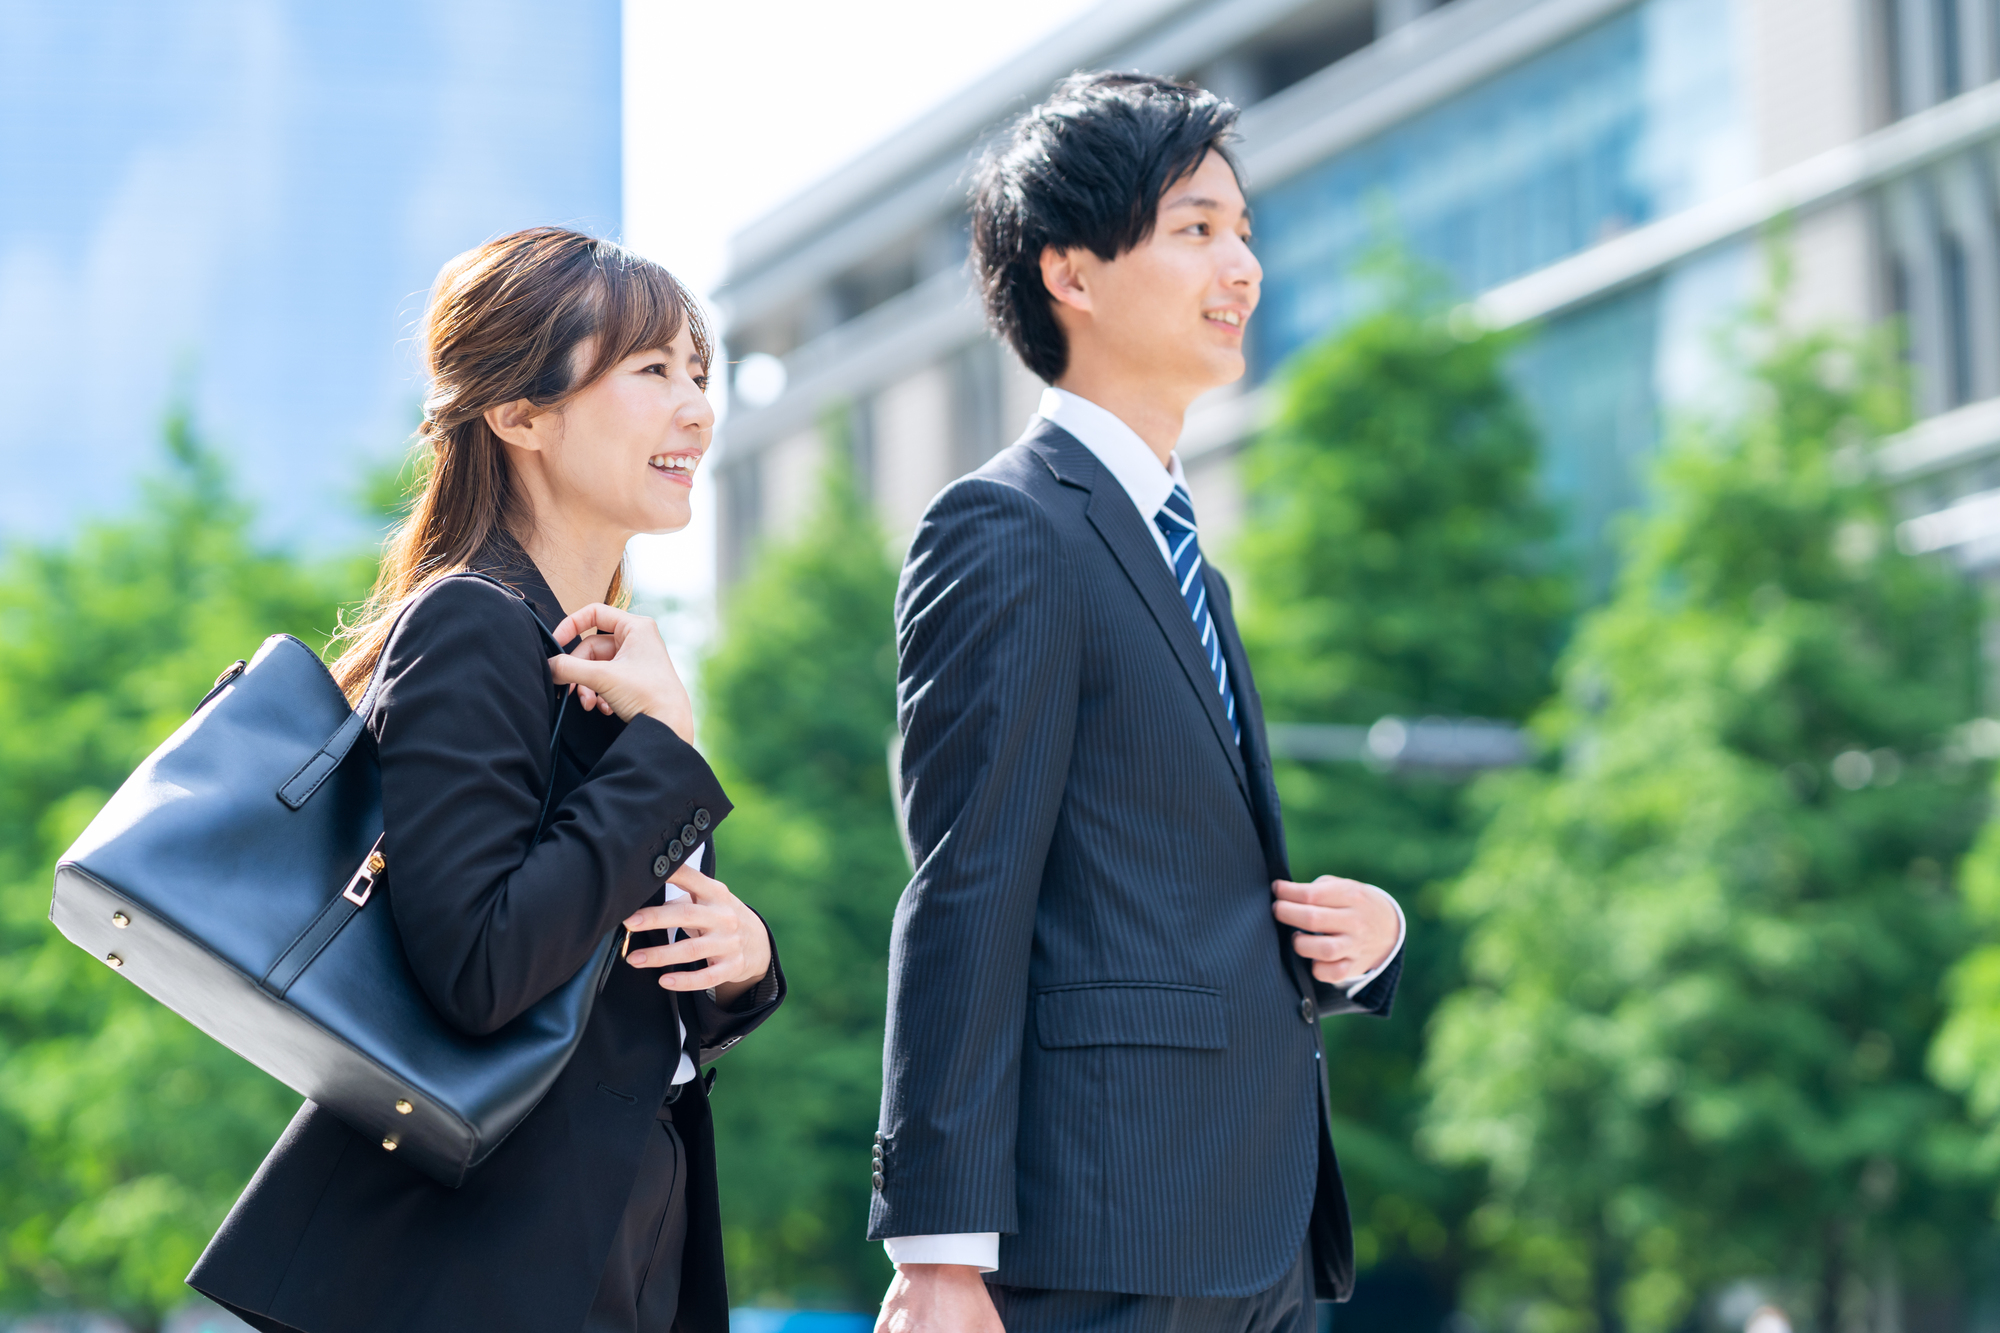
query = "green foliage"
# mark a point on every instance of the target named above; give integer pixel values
(1704, 945)
(1399, 561)
(124, 1133)
(800, 704)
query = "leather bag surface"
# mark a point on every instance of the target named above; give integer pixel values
(237, 878)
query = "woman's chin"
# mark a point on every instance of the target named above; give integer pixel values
(666, 519)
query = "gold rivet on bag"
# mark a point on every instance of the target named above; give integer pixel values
(120, 920)
(376, 863)
(390, 1144)
(114, 960)
(403, 1107)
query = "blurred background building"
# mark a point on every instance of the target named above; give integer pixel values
(238, 206)
(1602, 168)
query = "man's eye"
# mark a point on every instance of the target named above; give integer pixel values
(1200, 228)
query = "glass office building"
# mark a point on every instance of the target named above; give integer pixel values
(1631, 121)
(238, 205)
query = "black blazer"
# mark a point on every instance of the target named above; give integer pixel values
(334, 1235)
(1100, 1042)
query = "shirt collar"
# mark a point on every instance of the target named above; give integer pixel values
(1117, 446)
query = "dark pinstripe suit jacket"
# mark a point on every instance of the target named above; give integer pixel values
(1100, 1044)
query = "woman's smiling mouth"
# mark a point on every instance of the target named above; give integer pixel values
(679, 467)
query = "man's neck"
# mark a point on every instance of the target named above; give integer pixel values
(1156, 421)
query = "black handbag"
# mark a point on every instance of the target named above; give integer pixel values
(236, 877)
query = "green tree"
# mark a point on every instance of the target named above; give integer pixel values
(1705, 942)
(124, 1133)
(1398, 561)
(799, 705)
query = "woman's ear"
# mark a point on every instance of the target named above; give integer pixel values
(521, 424)
(1062, 274)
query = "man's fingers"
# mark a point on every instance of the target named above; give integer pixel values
(1327, 949)
(1319, 920)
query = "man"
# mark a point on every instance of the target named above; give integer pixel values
(1103, 1099)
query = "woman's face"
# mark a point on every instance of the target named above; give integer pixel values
(626, 448)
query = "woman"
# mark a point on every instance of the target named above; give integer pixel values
(567, 414)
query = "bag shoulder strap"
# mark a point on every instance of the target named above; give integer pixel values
(299, 788)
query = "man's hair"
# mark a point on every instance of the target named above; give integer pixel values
(1086, 168)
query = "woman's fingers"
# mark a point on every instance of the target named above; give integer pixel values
(597, 616)
(679, 915)
(698, 886)
(700, 948)
(721, 973)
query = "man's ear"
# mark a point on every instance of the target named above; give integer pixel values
(1063, 274)
(520, 424)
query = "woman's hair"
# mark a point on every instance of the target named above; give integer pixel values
(1085, 169)
(506, 321)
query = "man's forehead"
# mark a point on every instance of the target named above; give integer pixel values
(1210, 185)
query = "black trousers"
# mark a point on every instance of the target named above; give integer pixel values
(1287, 1307)
(640, 1291)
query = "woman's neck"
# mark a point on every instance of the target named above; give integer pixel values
(578, 571)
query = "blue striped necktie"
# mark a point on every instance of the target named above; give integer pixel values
(1176, 524)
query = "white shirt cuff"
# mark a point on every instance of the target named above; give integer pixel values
(980, 1249)
(1354, 985)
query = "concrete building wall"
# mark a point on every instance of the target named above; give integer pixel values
(911, 458)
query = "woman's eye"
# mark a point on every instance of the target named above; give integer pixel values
(701, 382)
(657, 368)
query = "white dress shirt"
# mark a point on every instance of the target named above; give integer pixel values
(686, 1071)
(1132, 461)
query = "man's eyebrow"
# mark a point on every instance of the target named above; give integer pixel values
(1201, 201)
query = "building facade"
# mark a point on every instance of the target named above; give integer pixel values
(1608, 170)
(237, 206)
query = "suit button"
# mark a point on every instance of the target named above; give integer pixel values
(879, 1138)
(661, 867)
(1308, 1010)
(878, 1159)
(687, 835)
(878, 1180)
(673, 851)
(702, 820)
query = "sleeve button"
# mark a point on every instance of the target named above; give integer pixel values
(702, 820)
(661, 867)
(1308, 1010)
(674, 851)
(878, 1180)
(687, 835)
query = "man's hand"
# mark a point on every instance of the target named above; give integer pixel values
(938, 1298)
(1350, 926)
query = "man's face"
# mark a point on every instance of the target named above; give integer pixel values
(1171, 311)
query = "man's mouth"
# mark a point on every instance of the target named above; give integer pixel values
(1230, 317)
(678, 466)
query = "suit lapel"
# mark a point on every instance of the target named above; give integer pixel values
(1117, 521)
(1250, 716)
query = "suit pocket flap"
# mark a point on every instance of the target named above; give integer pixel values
(1126, 1013)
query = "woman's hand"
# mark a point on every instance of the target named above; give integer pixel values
(623, 668)
(720, 931)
